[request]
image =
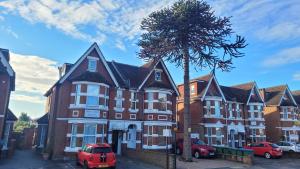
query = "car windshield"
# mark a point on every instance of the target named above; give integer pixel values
(199, 142)
(98, 150)
(274, 145)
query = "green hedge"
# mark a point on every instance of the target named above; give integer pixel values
(233, 151)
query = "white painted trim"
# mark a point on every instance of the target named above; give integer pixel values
(146, 111)
(258, 93)
(168, 74)
(85, 55)
(213, 98)
(9, 69)
(156, 147)
(1, 115)
(92, 58)
(123, 124)
(218, 124)
(83, 106)
(84, 120)
(291, 96)
(158, 123)
(165, 117)
(90, 83)
(218, 87)
(166, 91)
(82, 135)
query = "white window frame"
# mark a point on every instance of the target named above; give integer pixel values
(132, 116)
(75, 113)
(163, 101)
(150, 100)
(157, 75)
(217, 108)
(209, 135)
(208, 108)
(119, 99)
(90, 64)
(134, 100)
(92, 94)
(73, 138)
(219, 135)
(193, 89)
(89, 135)
(150, 117)
(238, 111)
(230, 110)
(285, 114)
(77, 94)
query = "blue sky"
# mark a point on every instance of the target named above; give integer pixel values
(42, 34)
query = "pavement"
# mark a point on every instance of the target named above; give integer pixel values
(28, 159)
(259, 163)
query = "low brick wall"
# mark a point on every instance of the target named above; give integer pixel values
(152, 157)
(291, 155)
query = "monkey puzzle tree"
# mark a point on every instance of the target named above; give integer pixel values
(188, 32)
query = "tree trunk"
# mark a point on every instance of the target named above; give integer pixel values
(187, 154)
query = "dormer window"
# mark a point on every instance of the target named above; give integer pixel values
(193, 90)
(158, 75)
(92, 65)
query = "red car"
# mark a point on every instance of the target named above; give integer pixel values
(266, 149)
(199, 148)
(96, 156)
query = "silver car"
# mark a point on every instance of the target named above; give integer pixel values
(289, 146)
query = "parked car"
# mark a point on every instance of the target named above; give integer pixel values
(289, 146)
(266, 149)
(199, 148)
(96, 156)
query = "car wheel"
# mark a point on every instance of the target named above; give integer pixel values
(77, 161)
(197, 154)
(85, 165)
(291, 151)
(178, 151)
(268, 155)
(113, 167)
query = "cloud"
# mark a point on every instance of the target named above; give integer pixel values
(267, 20)
(75, 17)
(9, 31)
(34, 76)
(120, 45)
(296, 76)
(285, 56)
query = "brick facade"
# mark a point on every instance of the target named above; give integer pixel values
(223, 115)
(7, 84)
(281, 114)
(126, 106)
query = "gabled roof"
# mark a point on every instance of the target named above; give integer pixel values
(151, 66)
(123, 75)
(235, 94)
(10, 116)
(44, 119)
(274, 95)
(245, 91)
(85, 55)
(296, 95)
(6, 67)
(204, 83)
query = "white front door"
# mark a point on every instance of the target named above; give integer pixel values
(131, 138)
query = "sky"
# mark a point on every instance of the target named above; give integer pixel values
(43, 34)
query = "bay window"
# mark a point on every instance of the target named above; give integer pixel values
(73, 136)
(230, 110)
(106, 97)
(238, 111)
(119, 99)
(150, 100)
(218, 136)
(208, 108)
(209, 135)
(89, 134)
(77, 94)
(217, 109)
(92, 98)
(133, 98)
(285, 112)
(162, 98)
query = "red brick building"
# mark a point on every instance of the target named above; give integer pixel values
(280, 114)
(223, 115)
(7, 84)
(98, 101)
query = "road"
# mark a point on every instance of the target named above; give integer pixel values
(27, 159)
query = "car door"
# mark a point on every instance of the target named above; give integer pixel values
(259, 149)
